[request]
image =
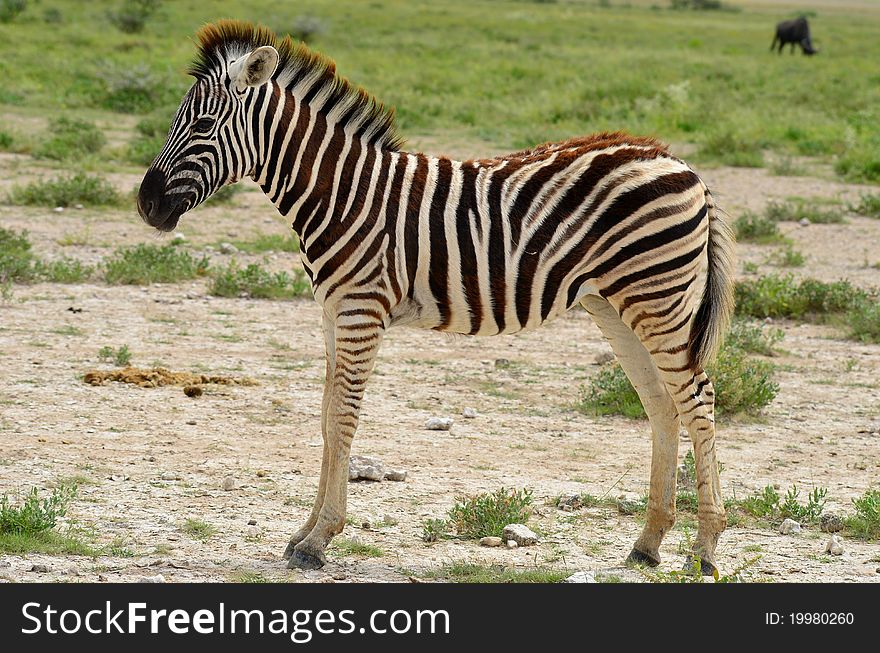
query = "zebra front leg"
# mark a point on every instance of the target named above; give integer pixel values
(357, 340)
(330, 357)
(665, 425)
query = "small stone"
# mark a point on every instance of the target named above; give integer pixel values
(834, 546)
(262, 473)
(395, 475)
(804, 222)
(603, 358)
(78, 206)
(388, 520)
(581, 577)
(628, 506)
(170, 476)
(519, 533)
(178, 238)
(789, 527)
(491, 541)
(39, 569)
(469, 413)
(193, 391)
(439, 423)
(158, 578)
(511, 544)
(252, 522)
(253, 531)
(364, 468)
(569, 503)
(830, 523)
(58, 209)
(502, 363)
(228, 248)
(5, 564)
(338, 575)
(229, 483)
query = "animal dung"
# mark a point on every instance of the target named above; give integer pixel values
(159, 376)
(192, 391)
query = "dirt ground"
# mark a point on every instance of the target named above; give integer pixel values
(150, 458)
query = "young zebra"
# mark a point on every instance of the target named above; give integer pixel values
(493, 246)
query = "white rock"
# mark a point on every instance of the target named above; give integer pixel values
(178, 238)
(229, 483)
(490, 541)
(158, 578)
(228, 248)
(77, 206)
(439, 423)
(469, 413)
(395, 475)
(253, 531)
(511, 544)
(804, 222)
(789, 527)
(581, 577)
(58, 209)
(364, 468)
(519, 533)
(834, 546)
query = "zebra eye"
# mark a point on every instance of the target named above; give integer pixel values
(203, 125)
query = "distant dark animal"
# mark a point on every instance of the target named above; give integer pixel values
(795, 31)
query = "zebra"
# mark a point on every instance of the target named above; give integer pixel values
(611, 222)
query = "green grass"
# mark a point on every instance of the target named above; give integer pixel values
(269, 243)
(466, 572)
(753, 228)
(64, 270)
(865, 524)
(35, 515)
(120, 357)
(68, 190)
(742, 383)
(18, 264)
(347, 547)
(795, 209)
(864, 321)
(150, 133)
(486, 514)
(258, 283)
(754, 337)
(693, 574)
(787, 257)
(508, 73)
(146, 264)
(249, 577)
(768, 504)
(198, 529)
(71, 138)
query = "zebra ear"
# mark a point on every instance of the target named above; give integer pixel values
(254, 69)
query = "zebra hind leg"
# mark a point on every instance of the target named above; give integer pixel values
(665, 426)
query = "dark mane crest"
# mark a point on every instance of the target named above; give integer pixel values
(298, 65)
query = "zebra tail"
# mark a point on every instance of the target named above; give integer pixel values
(716, 308)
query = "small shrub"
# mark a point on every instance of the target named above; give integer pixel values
(864, 321)
(10, 9)
(6, 140)
(865, 524)
(787, 257)
(145, 264)
(306, 28)
(808, 513)
(132, 15)
(753, 228)
(774, 296)
(16, 258)
(119, 357)
(733, 150)
(753, 338)
(765, 504)
(434, 529)
(151, 134)
(798, 209)
(258, 283)
(346, 547)
(79, 188)
(130, 88)
(35, 515)
(869, 205)
(487, 514)
(64, 270)
(269, 243)
(466, 572)
(53, 16)
(71, 138)
(861, 162)
(610, 393)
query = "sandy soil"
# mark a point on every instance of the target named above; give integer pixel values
(150, 458)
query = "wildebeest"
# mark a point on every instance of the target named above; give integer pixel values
(794, 31)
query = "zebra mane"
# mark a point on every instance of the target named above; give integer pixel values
(304, 70)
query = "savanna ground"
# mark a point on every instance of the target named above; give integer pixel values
(467, 78)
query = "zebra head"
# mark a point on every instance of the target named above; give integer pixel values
(209, 143)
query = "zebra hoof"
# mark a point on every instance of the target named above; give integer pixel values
(289, 550)
(637, 557)
(303, 560)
